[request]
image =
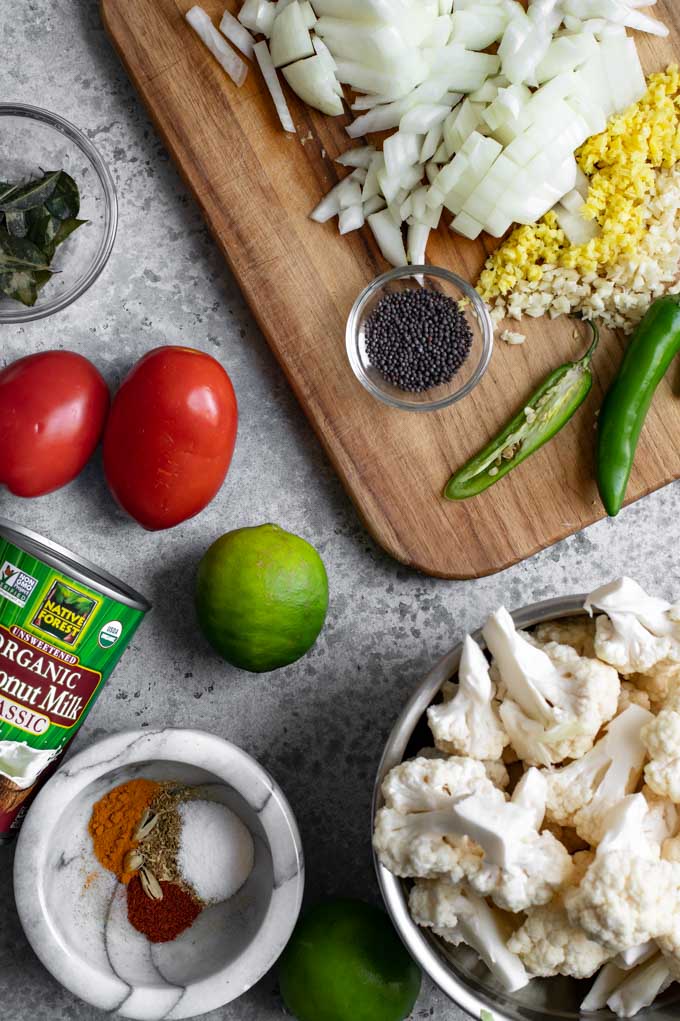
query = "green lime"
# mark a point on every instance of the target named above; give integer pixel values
(261, 596)
(345, 962)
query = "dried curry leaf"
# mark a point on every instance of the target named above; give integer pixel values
(23, 285)
(64, 201)
(16, 223)
(6, 190)
(35, 218)
(33, 193)
(48, 231)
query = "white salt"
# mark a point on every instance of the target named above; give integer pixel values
(216, 851)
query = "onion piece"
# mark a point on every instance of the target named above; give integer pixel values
(313, 81)
(382, 47)
(388, 236)
(431, 143)
(360, 157)
(322, 50)
(308, 15)
(234, 31)
(263, 57)
(395, 86)
(440, 32)
(401, 151)
(351, 218)
(524, 45)
(220, 49)
(421, 119)
(380, 118)
(258, 16)
(374, 205)
(372, 184)
(416, 243)
(478, 28)
(467, 226)
(565, 53)
(350, 193)
(290, 38)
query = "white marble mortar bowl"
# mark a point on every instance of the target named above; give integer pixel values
(74, 912)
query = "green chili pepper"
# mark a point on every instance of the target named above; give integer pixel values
(653, 346)
(541, 418)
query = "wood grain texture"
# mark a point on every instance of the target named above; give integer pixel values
(256, 186)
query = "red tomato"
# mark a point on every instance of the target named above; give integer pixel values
(52, 412)
(170, 436)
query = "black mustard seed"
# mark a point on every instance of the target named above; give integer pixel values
(417, 339)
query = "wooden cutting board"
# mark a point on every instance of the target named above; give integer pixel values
(256, 186)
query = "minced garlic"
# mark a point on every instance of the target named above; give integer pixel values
(622, 164)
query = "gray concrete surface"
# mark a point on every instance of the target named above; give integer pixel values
(319, 725)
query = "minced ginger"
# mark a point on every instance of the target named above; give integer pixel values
(622, 164)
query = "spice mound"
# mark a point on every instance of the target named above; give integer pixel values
(417, 338)
(175, 850)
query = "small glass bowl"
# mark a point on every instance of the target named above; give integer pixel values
(35, 140)
(470, 372)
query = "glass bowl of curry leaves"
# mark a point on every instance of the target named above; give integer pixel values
(58, 213)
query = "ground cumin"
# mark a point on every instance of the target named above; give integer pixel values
(114, 820)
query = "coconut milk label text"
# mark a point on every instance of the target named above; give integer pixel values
(59, 641)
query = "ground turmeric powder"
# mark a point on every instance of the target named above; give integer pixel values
(114, 821)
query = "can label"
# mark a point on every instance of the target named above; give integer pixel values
(59, 642)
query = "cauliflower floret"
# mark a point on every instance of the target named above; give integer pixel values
(522, 867)
(580, 794)
(468, 722)
(661, 737)
(661, 821)
(660, 682)
(459, 916)
(548, 944)
(628, 895)
(636, 633)
(578, 632)
(416, 833)
(495, 769)
(632, 695)
(554, 701)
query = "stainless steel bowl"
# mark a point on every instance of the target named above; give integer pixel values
(458, 971)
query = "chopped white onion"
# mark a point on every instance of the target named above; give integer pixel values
(258, 15)
(431, 143)
(388, 236)
(220, 49)
(234, 31)
(314, 82)
(374, 205)
(308, 15)
(416, 241)
(351, 218)
(360, 157)
(263, 57)
(478, 28)
(401, 151)
(422, 119)
(290, 38)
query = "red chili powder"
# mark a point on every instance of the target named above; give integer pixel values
(161, 920)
